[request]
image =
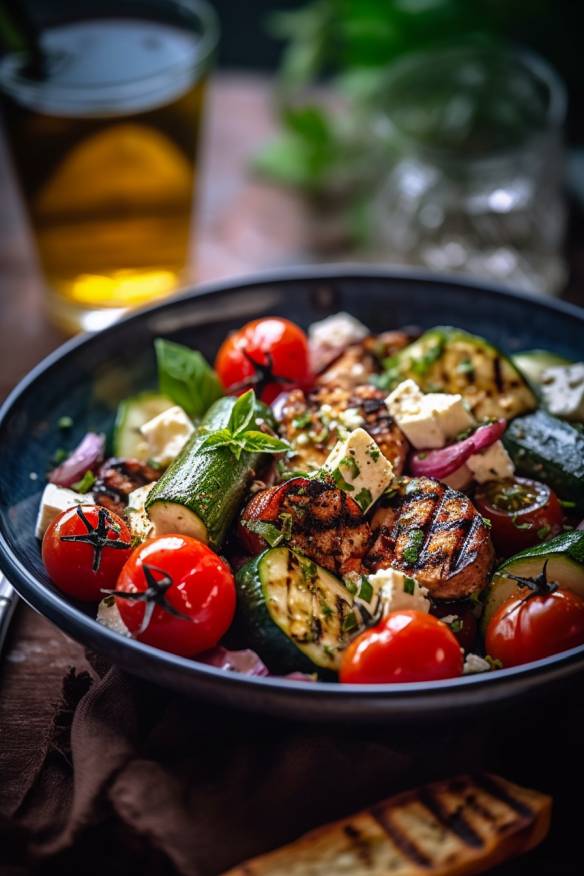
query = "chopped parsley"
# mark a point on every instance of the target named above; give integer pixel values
(374, 452)
(65, 422)
(493, 662)
(411, 552)
(325, 609)
(366, 589)
(488, 523)
(364, 498)
(60, 455)
(351, 586)
(456, 625)
(350, 622)
(409, 585)
(341, 482)
(302, 420)
(85, 483)
(567, 503)
(350, 463)
(422, 364)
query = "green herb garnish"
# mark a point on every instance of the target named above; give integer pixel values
(567, 504)
(85, 483)
(186, 378)
(238, 437)
(488, 523)
(60, 455)
(411, 552)
(493, 662)
(286, 519)
(409, 585)
(270, 533)
(366, 589)
(364, 498)
(466, 367)
(374, 453)
(350, 463)
(340, 482)
(543, 532)
(456, 625)
(350, 622)
(302, 421)
(65, 422)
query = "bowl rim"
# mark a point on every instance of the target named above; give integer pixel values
(74, 621)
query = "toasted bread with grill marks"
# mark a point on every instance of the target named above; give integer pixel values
(453, 828)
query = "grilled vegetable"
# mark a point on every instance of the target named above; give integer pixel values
(458, 827)
(532, 364)
(313, 516)
(436, 535)
(118, 478)
(201, 491)
(446, 359)
(550, 450)
(295, 614)
(133, 413)
(313, 422)
(563, 558)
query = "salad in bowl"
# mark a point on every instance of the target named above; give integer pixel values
(336, 505)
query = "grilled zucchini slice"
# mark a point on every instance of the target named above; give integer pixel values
(132, 414)
(295, 614)
(532, 364)
(447, 359)
(564, 556)
(550, 450)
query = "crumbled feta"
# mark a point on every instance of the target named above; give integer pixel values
(109, 616)
(351, 418)
(359, 467)
(167, 434)
(338, 330)
(398, 591)
(140, 525)
(491, 464)
(430, 420)
(473, 664)
(563, 391)
(54, 501)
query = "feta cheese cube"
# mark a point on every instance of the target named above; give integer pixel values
(359, 467)
(398, 592)
(140, 524)
(337, 331)
(563, 391)
(54, 501)
(167, 434)
(491, 464)
(430, 420)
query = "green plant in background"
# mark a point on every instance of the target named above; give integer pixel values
(332, 148)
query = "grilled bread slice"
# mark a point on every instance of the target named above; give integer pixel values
(454, 828)
(313, 423)
(436, 535)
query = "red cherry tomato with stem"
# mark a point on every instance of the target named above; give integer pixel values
(267, 355)
(406, 646)
(84, 549)
(176, 594)
(530, 626)
(522, 513)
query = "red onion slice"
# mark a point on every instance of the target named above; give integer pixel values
(441, 463)
(87, 455)
(245, 662)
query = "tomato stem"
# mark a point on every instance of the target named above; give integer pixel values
(154, 595)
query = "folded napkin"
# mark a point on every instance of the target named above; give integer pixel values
(134, 779)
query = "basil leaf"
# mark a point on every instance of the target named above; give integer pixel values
(218, 439)
(242, 413)
(263, 443)
(186, 378)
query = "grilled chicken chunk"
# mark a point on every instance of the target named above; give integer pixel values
(117, 478)
(436, 535)
(324, 523)
(314, 422)
(357, 362)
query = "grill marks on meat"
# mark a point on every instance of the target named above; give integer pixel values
(117, 478)
(435, 534)
(301, 415)
(327, 525)
(353, 365)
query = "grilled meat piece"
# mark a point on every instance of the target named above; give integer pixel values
(436, 535)
(323, 522)
(357, 362)
(117, 478)
(314, 422)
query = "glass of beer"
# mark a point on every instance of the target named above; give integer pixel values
(103, 135)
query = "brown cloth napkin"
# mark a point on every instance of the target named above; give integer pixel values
(134, 779)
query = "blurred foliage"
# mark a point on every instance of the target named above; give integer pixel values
(324, 149)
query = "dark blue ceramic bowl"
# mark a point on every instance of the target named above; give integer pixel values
(88, 376)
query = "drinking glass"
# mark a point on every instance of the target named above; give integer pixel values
(104, 139)
(474, 183)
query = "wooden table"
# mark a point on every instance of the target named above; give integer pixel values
(244, 225)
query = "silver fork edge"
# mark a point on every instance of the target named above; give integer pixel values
(8, 600)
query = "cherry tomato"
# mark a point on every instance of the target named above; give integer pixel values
(84, 549)
(531, 626)
(522, 513)
(463, 624)
(176, 594)
(405, 646)
(264, 349)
